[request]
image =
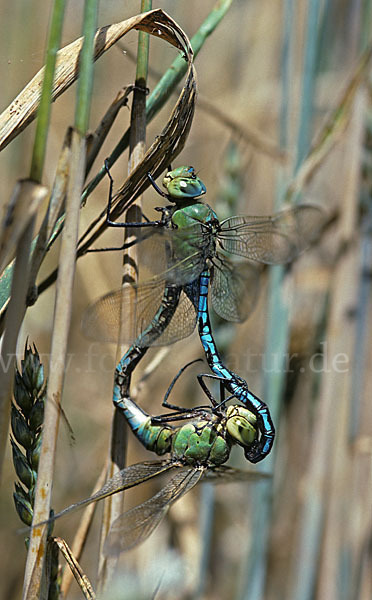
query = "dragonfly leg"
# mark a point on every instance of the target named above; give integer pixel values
(115, 248)
(156, 187)
(125, 224)
(165, 402)
(204, 387)
(181, 416)
(180, 409)
(222, 381)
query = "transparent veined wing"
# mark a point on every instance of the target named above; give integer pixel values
(175, 255)
(105, 318)
(234, 289)
(225, 474)
(275, 239)
(181, 325)
(125, 479)
(135, 525)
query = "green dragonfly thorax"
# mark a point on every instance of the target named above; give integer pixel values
(182, 184)
(208, 441)
(203, 441)
(189, 241)
(192, 213)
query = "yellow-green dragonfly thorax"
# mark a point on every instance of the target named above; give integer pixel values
(206, 440)
(193, 213)
(182, 184)
(201, 443)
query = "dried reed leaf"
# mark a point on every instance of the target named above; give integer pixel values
(81, 534)
(61, 323)
(157, 158)
(250, 136)
(117, 459)
(95, 142)
(82, 580)
(23, 204)
(328, 481)
(56, 203)
(22, 111)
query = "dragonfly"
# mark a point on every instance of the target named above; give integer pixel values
(198, 446)
(186, 257)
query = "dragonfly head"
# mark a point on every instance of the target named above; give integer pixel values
(182, 184)
(240, 424)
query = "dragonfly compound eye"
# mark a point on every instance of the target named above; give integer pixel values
(241, 425)
(182, 183)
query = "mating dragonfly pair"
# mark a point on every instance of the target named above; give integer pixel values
(187, 255)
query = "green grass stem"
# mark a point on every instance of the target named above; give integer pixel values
(308, 83)
(119, 430)
(43, 115)
(85, 81)
(19, 280)
(277, 331)
(35, 569)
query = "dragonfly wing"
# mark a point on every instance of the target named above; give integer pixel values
(176, 255)
(223, 474)
(125, 479)
(234, 290)
(182, 323)
(105, 318)
(135, 525)
(273, 240)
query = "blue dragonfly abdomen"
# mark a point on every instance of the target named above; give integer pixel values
(232, 382)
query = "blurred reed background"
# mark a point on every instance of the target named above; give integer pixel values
(277, 69)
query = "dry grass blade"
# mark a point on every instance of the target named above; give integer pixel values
(22, 111)
(55, 207)
(23, 205)
(62, 315)
(137, 147)
(96, 140)
(332, 130)
(343, 336)
(328, 481)
(252, 137)
(157, 158)
(82, 580)
(81, 535)
(56, 203)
